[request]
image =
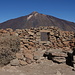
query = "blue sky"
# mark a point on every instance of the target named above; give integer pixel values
(10, 9)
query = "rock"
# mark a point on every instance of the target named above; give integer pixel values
(74, 65)
(38, 33)
(29, 56)
(56, 55)
(12, 33)
(51, 33)
(19, 56)
(74, 57)
(36, 57)
(23, 41)
(60, 54)
(63, 39)
(29, 61)
(31, 43)
(22, 63)
(66, 43)
(58, 73)
(38, 54)
(14, 62)
(31, 33)
(59, 59)
(9, 30)
(3, 31)
(16, 34)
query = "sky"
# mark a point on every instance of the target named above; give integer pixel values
(63, 9)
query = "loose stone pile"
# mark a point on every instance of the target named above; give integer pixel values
(38, 43)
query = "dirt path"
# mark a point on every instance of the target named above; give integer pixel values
(46, 67)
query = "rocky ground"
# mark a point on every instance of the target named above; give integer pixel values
(45, 67)
(26, 52)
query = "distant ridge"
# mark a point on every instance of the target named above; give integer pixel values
(36, 19)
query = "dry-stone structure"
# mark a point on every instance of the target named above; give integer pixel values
(37, 44)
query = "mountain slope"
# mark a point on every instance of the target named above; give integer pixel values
(36, 19)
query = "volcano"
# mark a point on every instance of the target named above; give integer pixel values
(35, 20)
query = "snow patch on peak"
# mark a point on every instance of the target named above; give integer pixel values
(29, 17)
(35, 14)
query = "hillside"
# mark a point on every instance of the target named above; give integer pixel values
(36, 19)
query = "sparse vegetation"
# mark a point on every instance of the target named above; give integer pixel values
(9, 45)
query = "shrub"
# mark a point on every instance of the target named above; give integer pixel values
(9, 45)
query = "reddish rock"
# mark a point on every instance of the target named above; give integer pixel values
(29, 56)
(31, 43)
(19, 56)
(3, 31)
(22, 63)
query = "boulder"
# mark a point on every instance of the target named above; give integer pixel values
(56, 55)
(22, 63)
(19, 56)
(29, 56)
(59, 59)
(14, 62)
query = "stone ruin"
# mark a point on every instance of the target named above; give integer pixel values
(37, 44)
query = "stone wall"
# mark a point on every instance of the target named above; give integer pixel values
(56, 38)
(37, 42)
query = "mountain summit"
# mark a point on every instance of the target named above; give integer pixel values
(36, 19)
(34, 12)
